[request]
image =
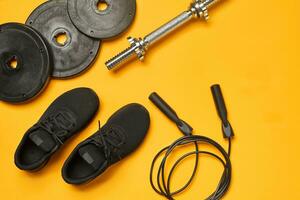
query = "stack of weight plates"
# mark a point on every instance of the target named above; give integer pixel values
(61, 39)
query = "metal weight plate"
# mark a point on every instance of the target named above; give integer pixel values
(73, 52)
(102, 23)
(25, 63)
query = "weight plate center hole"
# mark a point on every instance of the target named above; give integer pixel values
(102, 5)
(61, 38)
(12, 63)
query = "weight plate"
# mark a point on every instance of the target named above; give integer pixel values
(73, 52)
(102, 23)
(25, 63)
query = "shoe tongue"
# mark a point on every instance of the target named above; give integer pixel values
(92, 155)
(43, 140)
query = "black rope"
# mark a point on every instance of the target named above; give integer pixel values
(163, 179)
(162, 186)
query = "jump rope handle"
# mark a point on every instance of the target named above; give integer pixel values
(222, 111)
(163, 106)
(184, 127)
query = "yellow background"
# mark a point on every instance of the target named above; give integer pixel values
(250, 47)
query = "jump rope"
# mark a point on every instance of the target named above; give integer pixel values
(163, 178)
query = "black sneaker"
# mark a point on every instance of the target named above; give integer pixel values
(120, 136)
(65, 117)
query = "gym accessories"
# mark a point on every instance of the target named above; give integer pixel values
(73, 52)
(63, 41)
(121, 135)
(102, 19)
(24, 63)
(139, 46)
(65, 117)
(164, 178)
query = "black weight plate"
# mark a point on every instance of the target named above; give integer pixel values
(102, 24)
(29, 77)
(77, 52)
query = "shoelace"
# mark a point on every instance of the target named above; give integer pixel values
(110, 139)
(58, 125)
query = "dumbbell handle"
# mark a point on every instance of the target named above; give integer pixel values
(139, 46)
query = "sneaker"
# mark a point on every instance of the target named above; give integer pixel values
(65, 117)
(119, 137)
